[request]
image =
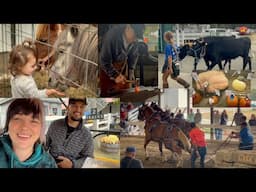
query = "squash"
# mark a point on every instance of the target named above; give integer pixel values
(238, 85)
(216, 80)
(244, 102)
(213, 100)
(232, 100)
(196, 98)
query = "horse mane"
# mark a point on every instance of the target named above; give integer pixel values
(85, 46)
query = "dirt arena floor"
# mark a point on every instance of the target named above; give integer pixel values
(155, 160)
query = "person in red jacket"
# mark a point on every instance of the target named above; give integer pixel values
(198, 142)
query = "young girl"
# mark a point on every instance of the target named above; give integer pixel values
(23, 59)
(171, 66)
(20, 145)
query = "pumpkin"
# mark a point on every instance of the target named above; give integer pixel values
(213, 100)
(232, 100)
(196, 98)
(244, 102)
(238, 85)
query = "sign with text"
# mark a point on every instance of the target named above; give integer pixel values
(94, 115)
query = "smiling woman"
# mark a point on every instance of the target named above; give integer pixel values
(20, 144)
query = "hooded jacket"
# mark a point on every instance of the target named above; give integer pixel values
(39, 159)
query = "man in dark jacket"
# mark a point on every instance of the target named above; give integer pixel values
(129, 160)
(118, 56)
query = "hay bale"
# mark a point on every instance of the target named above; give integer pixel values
(225, 155)
(246, 157)
(41, 78)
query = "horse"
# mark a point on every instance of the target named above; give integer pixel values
(166, 116)
(77, 61)
(163, 132)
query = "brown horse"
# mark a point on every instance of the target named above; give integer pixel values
(165, 116)
(163, 132)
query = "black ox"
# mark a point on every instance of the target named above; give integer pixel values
(216, 49)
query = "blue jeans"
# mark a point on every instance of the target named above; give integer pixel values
(202, 152)
(218, 133)
(247, 146)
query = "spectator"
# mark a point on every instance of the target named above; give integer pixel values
(237, 117)
(191, 116)
(224, 117)
(198, 117)
(252, 121)
(179, 115)
(129, 160)
(216, 121)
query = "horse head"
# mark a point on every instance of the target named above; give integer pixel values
(145, 112)
(155, 107)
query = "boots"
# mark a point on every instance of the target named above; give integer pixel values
(165, 85)
(183, 82)
(164, 78)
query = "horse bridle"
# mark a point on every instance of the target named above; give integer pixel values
(142, 110)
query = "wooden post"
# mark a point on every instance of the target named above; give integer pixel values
(188, 102)
(212, 129)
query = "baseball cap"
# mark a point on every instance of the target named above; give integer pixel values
(130, 149)
(73, 100)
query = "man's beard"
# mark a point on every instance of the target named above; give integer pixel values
(74, 119)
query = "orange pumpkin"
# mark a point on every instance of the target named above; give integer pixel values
(197, 97)
(232, 100)
(244, 102)
(137, 89)
(213, 100)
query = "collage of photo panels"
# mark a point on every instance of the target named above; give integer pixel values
(127, 95)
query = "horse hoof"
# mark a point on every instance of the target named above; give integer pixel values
(170, 161)
(147, 158)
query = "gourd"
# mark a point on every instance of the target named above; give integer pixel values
(238, 85)
(197, 97)
(244, 102)
(213, 100)
(216, 80)
(232, 100)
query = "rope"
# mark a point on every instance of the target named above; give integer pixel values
(224, 143)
